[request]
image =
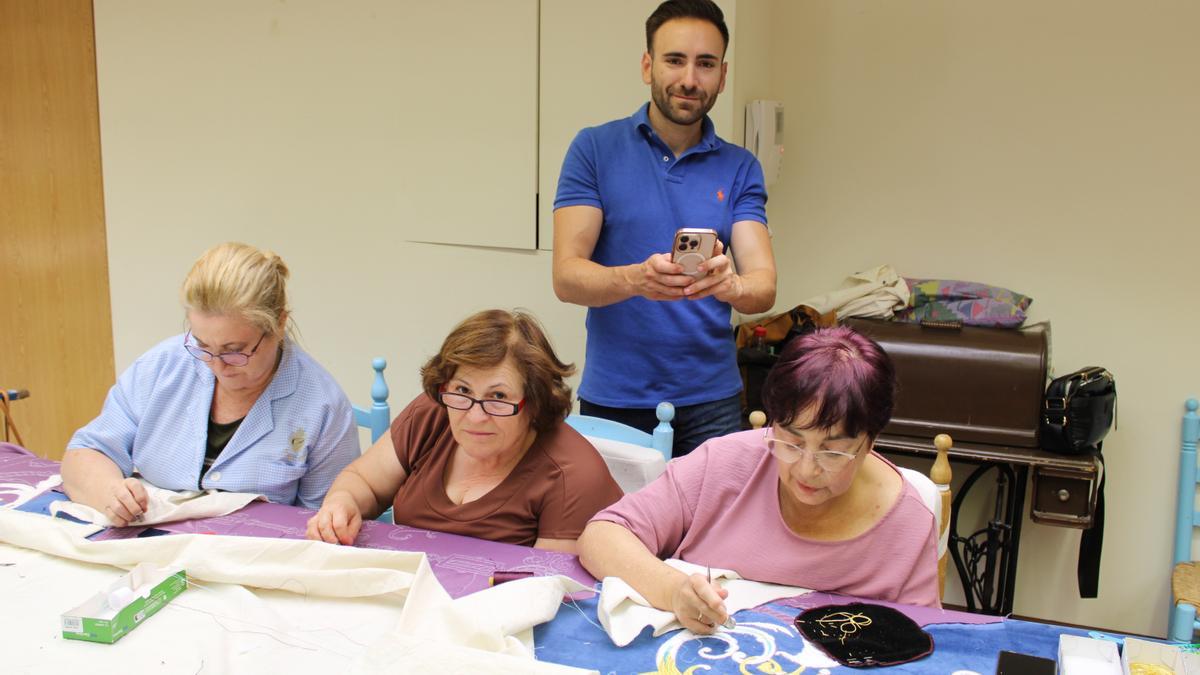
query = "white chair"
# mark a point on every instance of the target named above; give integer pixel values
(634, 458)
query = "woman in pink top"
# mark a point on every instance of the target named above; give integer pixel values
(805, 502)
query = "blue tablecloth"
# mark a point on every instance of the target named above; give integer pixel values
(766, 641)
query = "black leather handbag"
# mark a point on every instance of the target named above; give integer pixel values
(1078, 410)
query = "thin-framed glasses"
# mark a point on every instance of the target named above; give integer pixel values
(492, 406)
(236, 359)
(790, 453)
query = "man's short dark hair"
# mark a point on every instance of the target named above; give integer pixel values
(706, 10)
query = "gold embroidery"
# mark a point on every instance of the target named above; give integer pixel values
(845, 622)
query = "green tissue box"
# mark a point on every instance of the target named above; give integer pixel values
(132, 599)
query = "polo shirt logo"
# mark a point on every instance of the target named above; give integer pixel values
(720, 195)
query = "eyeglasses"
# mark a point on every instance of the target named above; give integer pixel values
(236, 359)
(491, 406)
(790, 453)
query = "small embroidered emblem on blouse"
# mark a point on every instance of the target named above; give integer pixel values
(297, 441)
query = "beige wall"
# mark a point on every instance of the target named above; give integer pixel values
(1050, 147)
(326, 132)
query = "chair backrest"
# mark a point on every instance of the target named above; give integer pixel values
(378, 417)
(1186, 516)
(935, 492)
(634, 458)
(1185, 580)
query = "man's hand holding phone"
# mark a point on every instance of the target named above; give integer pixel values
(696, 267)
(702, 256)
(658, 278)
(717, 279)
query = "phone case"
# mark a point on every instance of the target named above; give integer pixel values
(1013, 663)
(693, 245)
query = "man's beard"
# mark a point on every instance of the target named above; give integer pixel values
(662, 100)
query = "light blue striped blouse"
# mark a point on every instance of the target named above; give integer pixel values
(297, 437)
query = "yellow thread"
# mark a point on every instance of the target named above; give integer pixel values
(845, 622)
(1149, 669)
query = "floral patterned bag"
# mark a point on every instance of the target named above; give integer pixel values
(964, 302)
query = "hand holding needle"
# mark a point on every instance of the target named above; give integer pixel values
(729, 622)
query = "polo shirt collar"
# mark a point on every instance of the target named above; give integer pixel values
(708, 134)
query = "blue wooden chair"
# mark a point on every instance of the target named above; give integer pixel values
(1185, 577)
(378, 417)
(634, 457)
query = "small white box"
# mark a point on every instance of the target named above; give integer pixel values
(1087, 656)
(1158, 654)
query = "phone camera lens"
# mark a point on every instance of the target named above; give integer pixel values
(683, 246)
(694, 244)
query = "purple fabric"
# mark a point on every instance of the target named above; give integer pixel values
(18, 465)
(462, 564)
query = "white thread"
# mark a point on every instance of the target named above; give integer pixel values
(582, 613)
(345, 637)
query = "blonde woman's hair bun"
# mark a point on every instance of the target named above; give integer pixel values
(236, 279)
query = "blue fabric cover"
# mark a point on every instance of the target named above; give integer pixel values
(766, 641)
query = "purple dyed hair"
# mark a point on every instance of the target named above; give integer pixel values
(843, 375)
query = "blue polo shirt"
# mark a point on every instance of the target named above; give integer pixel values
(639, 351)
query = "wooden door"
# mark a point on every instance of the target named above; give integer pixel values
(55, 324)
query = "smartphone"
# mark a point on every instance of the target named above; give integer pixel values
(693, 245)
(1012, 663)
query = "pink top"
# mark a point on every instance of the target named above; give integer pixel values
(719, 506)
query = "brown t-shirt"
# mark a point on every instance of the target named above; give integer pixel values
(554, 490)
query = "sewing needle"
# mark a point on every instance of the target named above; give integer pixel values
(729, 622)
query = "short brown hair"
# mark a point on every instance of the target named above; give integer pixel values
(705, 10)
(485, 339)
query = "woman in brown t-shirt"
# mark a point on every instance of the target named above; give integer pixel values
(484, 451)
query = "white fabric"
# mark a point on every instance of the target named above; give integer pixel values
(383, 610)
(300, 566)
(624, 612)
(931, 494)
(166, 506)
(874, 293)
(410, 654)
(632, 466)
(498, 619)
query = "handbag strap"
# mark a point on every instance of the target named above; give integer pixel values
(1092, 541)
(10, 425)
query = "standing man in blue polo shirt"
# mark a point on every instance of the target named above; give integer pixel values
(655, 334)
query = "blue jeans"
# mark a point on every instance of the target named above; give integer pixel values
(693, 424)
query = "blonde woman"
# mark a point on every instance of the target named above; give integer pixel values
(232, 404)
